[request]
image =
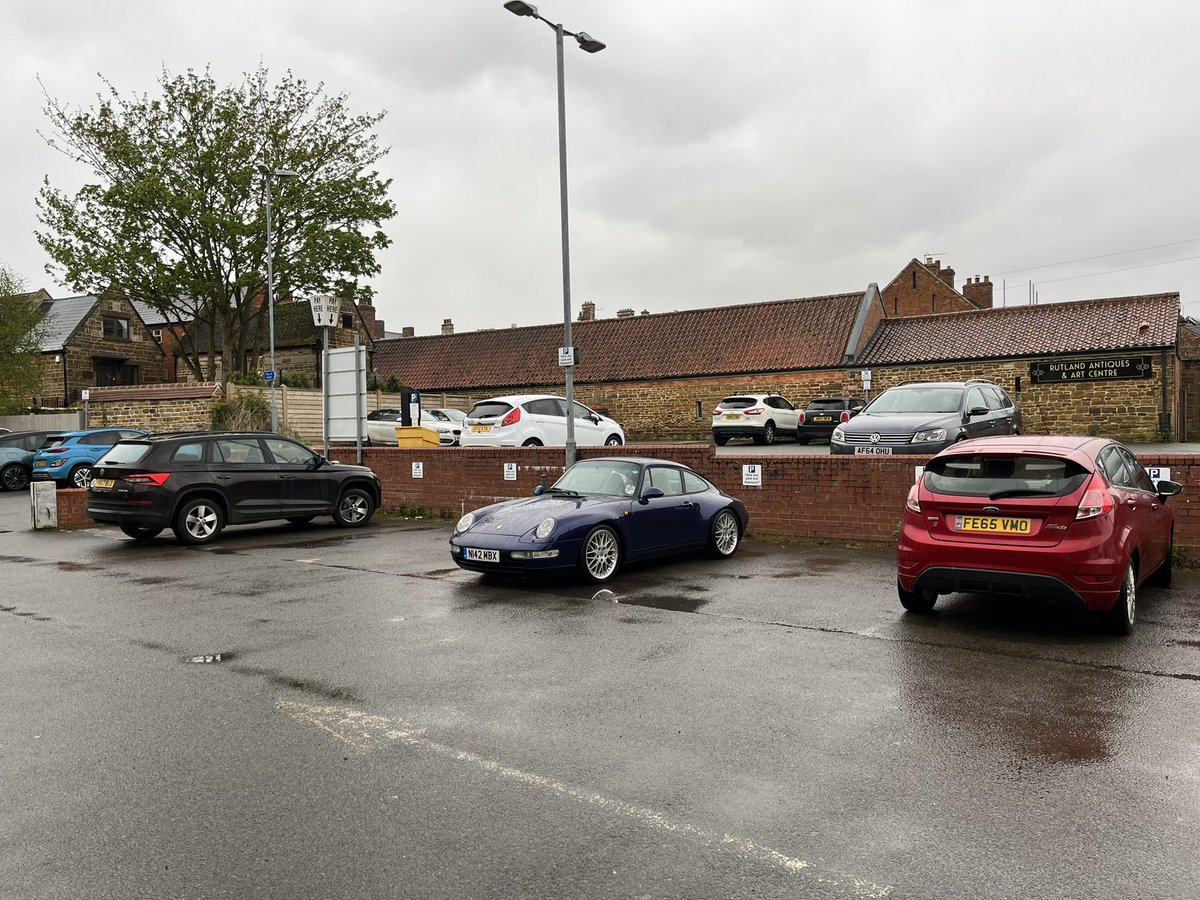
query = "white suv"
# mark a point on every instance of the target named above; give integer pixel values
(533, 420)
(758, 416)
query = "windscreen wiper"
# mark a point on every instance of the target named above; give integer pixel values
(567, 491)
(1022, 492)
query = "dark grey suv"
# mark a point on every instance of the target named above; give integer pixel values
(926, 417)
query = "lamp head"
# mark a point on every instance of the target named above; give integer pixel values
(285, 173)
(589, 43)
(521, 8)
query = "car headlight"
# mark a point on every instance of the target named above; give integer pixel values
(931, 436)
(839, 434)
(464, 523)
(543, 530)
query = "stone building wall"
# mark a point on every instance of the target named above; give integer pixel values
(168, 407)
(88, 342)
(682, 408)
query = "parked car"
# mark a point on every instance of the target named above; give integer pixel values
(381, 427)
(927, 417)
(601, 514)
(16, 457)
(196, 483)
(67, 457)
(823, 414)
(533, 420)
(1070, 519)
(448, 414)
(762, 417)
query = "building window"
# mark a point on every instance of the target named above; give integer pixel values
(347, 321)
(111, 372)
(116, 328)
(914, 275)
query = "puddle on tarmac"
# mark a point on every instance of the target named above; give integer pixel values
(74, 566)
(210, 658)
(154, 579)
(223, 551)
(1187, 643)
(668, 602)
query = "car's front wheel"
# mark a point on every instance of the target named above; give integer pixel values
(354, 508)
(14, 477)
(725, 535)
(1123, 615)
(141, 534)
(916, 601)
(613, 440)
(600, 554)
(79, 476)
(199, 521)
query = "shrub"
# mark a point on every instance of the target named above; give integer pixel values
(242, 412)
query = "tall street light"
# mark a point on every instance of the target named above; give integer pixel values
(591, 45)
(268, 174)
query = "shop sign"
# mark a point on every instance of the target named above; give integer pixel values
(1109, 368)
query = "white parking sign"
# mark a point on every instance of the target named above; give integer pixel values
(418, 470)
(752, 475)
(1158, 473)
(510, 471)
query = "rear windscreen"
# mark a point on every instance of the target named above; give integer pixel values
(738, 402)
(125, 453)
(996, 476)
(826, 405)
(489, 409)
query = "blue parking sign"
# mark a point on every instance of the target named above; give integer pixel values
(268, 375)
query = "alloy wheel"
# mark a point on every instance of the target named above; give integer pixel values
(600, 554)
(201, 521)
(725, 533)
(353, 508)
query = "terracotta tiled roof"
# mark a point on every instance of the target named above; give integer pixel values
(777, 336)
(1077, 327)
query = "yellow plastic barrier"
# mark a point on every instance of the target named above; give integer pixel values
(416, 436)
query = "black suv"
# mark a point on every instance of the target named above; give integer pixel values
(199, 482)
(926, 417)
(823, 414)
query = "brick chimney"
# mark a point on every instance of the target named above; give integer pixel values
(447, 326)
(935, 266)
(408, 331)
(979, 292)
(625, 313)
(587, 311)
(366, 311)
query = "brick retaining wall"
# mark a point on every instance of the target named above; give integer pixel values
(842, 498)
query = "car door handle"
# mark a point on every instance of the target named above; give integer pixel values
(286, 477)
(224, 477)
(1131, 502)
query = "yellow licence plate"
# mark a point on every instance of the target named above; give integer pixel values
(40, 462)
(102, 482)
(733, 415)
(993, 523)
(481, 429)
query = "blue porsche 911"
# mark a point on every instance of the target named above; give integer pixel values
(600, 515)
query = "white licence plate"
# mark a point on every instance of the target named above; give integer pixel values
(872, 451)
(481, 555)
(102, 482)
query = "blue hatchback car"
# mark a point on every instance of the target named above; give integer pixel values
(67, 458)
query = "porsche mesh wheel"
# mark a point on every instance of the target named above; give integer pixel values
(600, 554)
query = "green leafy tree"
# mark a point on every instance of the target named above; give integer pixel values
(20, 348)
(176, 215)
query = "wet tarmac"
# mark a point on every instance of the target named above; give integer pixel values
(311, 712)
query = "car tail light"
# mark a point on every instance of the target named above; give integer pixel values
(717, 411)
(1097, 501)
(912, 502)
(513, 417)
(800, 417)
(56, 450)
(757, 411)
(158, 478)
(845, 416)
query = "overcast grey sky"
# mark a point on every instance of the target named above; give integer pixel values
(719, 152)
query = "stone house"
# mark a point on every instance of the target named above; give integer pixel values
(94, 341)
(1108, 366)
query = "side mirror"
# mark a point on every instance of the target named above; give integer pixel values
(594, 419)
(855, 410)
(539, 490)
(651, 493)
(1167, 488)
(978, 411)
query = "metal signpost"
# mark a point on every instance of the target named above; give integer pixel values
(324, 312)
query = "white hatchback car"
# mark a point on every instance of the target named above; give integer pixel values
(534, 420)
(759, 416)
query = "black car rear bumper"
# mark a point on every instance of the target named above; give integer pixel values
(953, 580)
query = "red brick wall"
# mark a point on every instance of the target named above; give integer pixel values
(836, 498)
(929, 295)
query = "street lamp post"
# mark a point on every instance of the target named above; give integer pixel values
(590, 45)
(268, 174)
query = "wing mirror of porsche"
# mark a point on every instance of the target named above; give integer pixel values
(651, 493)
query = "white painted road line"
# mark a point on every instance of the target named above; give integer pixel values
(366, 733)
